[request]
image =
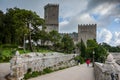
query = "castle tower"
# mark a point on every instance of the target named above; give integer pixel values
(51, 15)
(86, 32)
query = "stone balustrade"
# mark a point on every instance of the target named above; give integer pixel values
(109, 70)
(38, 61)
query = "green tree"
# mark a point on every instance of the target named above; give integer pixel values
(67, 44)
(111, 48)
(83, 49)
(91, 46)
(106, 46)
(20, 23)
(44, 36)
(1, 27)
(54, 37)
(101, 54)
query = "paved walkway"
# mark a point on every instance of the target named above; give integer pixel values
(4, 70)
(81, 72)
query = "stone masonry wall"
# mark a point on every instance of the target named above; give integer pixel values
(100, 73)
(105, 72)
(37, 62)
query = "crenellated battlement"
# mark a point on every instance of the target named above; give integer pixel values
(89, 25)
(86, 32)
(53, 5)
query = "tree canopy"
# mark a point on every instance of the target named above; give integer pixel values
(68, 44)
(86, 51)
(18, 23)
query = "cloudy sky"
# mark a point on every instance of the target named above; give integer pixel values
(104, 13)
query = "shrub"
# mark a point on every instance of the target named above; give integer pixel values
(9, 46)
(47, 70)
(29, 70)
(79, 58)
(35, 74)
(27, 76)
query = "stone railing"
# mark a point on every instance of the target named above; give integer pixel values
(101, 73)
(37, 62)
(109, 70)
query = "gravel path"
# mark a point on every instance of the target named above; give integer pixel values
(81, 72)
(4, 70)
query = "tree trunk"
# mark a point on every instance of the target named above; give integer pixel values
(29, 38)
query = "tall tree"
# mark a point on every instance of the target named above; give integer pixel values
(1, 27)
(101, 54)
(91, 46)
(68, 44)
(22, 22)
(83, 49)
(54, 37)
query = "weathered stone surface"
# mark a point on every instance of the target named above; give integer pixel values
(37, 62)
(107, 70)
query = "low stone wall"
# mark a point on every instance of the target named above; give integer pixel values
(100, 73)
(37, 62)
(109, 70)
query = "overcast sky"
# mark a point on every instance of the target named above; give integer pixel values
(104, 13)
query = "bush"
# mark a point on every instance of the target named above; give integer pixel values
(35, 74)
(5, 55)
(9, 46)
(29, 70)
(27, 76)
(80, 59)
(47, 70)
(30, 74)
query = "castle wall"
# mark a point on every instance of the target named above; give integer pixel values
(86, 32)
(51, 28)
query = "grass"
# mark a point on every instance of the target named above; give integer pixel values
(44, 50)
(7, 52)
(30, 74)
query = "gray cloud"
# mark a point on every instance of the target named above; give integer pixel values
(93, 3)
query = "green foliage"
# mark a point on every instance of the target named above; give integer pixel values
(91, 46)
(29, 70)
(54, 37)
(87, 52)
(100, 53)
(27, 76)
(82, 48)
(111, 48)
(35, 74)
(30, 74)
(47, 70)
(5, 55)
(6, 52)
(67, 44)
(9, 46)
(18, 23)
(79, 58)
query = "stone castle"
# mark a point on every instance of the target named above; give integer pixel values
(51, 16)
